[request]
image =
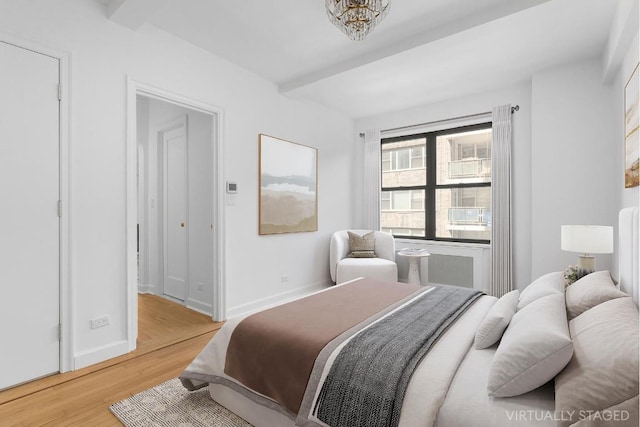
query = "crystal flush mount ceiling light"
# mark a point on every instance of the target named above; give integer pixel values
(356, 18)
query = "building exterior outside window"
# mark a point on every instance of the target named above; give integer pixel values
(437, 185)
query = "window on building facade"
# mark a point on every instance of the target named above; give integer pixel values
(437, 185)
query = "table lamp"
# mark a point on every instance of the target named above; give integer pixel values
(587, 239)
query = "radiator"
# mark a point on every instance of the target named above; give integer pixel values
(449, 264)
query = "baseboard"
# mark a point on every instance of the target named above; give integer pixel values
(199, 306)
(147, 289)
(276, 299)
(100, 354)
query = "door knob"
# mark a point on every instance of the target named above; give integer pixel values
(182, 224)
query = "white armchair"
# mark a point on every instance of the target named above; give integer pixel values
(344, 269)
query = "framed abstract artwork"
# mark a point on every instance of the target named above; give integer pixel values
(288, 190)
(631, 133)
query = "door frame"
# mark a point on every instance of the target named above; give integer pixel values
(66, 362)
(217, 114)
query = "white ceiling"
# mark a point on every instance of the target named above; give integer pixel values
(425, 51)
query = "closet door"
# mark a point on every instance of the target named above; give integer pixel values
(175, 173)
(29, 221)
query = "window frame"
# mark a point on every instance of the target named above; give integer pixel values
(431, 186)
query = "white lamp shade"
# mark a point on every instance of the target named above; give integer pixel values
(588, 239)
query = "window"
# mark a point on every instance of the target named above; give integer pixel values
(437, 185)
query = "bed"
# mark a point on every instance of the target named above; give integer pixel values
(369, 353)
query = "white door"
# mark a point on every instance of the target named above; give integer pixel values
(29, 222)
(174, 141)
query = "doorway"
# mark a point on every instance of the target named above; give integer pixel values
(175, 190)
(175, 238)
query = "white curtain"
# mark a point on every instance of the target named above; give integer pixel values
(371, 184)
(501, 249)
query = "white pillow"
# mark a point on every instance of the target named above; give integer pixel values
(534, 348)
(589, 291)
(496, 321)
(602, 377)
(549, 284)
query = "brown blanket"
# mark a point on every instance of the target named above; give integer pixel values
(273, 351)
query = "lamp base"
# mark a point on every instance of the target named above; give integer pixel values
(586, 265)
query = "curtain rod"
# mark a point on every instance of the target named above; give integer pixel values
(469, 116)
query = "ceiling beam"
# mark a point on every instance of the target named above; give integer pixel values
(623, 30)
(133, 13)
(475, 20)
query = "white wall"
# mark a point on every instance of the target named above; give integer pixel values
(575, 174)
(521, 155)
(142, 140)
(201, 234)
(103, 54)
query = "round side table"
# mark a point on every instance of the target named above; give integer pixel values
(414, 255)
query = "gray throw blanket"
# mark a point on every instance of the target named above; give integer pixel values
(368, 380)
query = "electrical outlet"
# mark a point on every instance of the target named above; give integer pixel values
(201, 286)
(100, 322)
(284, 278)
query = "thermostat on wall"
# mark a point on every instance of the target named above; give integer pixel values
(232, 187)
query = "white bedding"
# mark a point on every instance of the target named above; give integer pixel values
(430, 382)
(468, 403)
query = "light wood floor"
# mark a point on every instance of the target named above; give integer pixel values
(169, 337)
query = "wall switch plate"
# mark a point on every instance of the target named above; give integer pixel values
(100, 322)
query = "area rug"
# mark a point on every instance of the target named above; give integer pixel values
(170, 404)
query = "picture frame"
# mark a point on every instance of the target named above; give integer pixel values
(288, 186)
(631, 132)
